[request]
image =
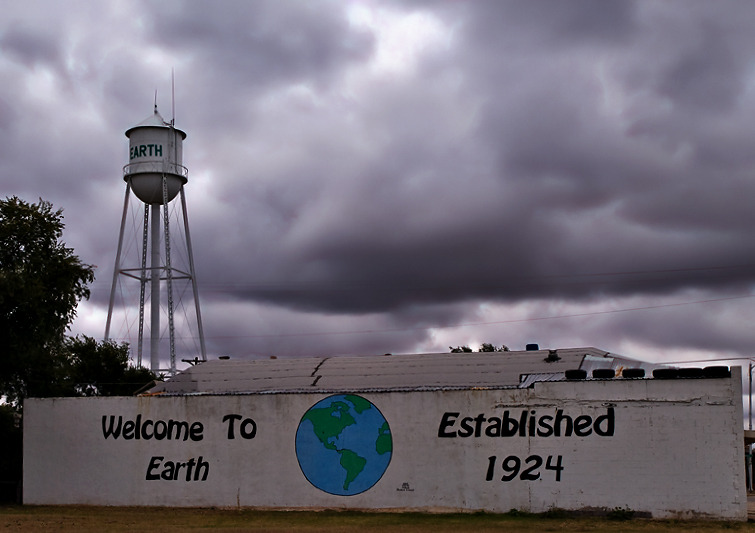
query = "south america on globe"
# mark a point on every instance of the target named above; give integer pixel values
(343, 444)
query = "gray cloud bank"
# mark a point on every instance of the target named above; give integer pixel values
(369, 176)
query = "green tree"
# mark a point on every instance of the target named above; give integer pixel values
(460, 349)
(102, 369)
(484, 347)
(41, 283)
(488, 347)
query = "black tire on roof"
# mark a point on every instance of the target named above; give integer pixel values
(603, 373)
(716, 372)
(576, 373)
(633, 373)
(666, 373)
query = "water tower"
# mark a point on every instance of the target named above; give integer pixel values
(155, 175)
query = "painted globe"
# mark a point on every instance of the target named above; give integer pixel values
(343, 444)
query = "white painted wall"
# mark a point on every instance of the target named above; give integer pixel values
(676, 449)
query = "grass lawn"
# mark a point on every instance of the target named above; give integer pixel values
(83, 519)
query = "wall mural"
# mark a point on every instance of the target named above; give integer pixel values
(343, 444)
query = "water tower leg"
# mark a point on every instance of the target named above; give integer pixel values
(143, 282)
(117, 268)
(200, 330)
(169, 279)
(154, 349)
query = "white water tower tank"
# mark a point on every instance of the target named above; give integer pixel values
(155, 151)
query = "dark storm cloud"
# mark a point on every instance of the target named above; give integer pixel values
(30, 47)
(552, 24)
(570, 193)
(245, 49)
(263, 43)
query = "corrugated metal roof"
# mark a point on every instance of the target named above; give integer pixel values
(377, 373)
(618, 364)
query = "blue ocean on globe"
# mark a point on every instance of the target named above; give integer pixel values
(343, 444)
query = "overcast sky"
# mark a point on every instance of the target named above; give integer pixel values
(371, 177)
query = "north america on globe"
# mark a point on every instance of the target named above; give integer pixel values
(343, 444)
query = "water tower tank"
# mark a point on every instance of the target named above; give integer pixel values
(155, 151)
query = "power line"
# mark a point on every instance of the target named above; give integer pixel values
(641, 276)
(490, 323)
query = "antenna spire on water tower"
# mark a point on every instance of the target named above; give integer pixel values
(156, 176)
